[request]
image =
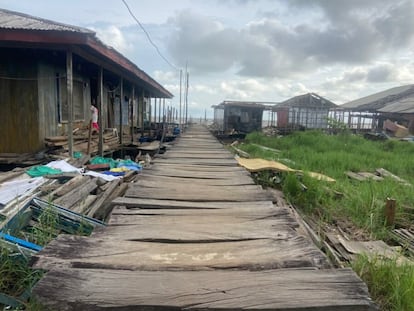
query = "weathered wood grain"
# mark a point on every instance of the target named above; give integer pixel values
(172, 204)
(151, 180)
(283, 289)
(201, 195)
(261, 254)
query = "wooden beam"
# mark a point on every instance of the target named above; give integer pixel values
(100, 114)
(69, 98)
(142, 114)
(132, 114)
(121, 102)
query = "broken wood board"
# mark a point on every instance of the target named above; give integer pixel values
(175, 155)
(196, 174)
(199, 194)
(363, 176)
(284, 289)
(195, 167)
(174, 204)
(155, 256)
(384, 173)
(279, 216)
(191, 187)
(151, 181)
(243, 211)
(212, 162)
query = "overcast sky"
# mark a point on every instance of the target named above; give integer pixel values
(255, 50)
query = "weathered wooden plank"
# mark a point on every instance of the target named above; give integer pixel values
(190, 187)
(77, 194)
(173, 204)
(200, 194)
(283, 289)
(244, 211)
(259, 254)
(216, 162)
(189, 155)
(151, 180)
(179, 232)
(189, 167)
(197, 175)
(279, 216)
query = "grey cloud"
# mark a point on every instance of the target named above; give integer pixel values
(381, 73)
(204, 43)
(353, 32)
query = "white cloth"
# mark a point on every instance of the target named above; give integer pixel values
(17, 188)
(63, 166)
(103, 176)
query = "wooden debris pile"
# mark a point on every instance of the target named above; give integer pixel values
(59, 144)
(378, 175)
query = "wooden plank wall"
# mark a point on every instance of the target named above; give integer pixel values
(194, 232)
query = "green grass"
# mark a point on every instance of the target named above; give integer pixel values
(391, 284)
(15, 274)
(333, 155)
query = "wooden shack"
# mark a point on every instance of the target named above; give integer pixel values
(51, 73)
(374, 111)
(308, 111)
(238, 117)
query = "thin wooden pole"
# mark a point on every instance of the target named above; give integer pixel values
(159, 116)
(121, 102)
(390, 207)
(142, 115)
(69, 86)
(155, 112)
(100, 113)
(181, 78)
(132, 114)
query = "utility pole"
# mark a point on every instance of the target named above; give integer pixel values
(186, 98)
(181, 78)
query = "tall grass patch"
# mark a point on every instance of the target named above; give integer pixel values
(334, 155)
(391, 283)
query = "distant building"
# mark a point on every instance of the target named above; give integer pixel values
(51, 73)
(396, 104)
(308, 111)
(238, 116)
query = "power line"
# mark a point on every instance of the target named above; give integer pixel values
(148, 36)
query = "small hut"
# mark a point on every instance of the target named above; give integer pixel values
(374, 111)
(304, 111)
(238, 117)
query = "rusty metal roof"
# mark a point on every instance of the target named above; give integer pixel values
(22, 28)
(389, 100)
(248, 104)
(309, 100)
(17, 20)
(404, 105)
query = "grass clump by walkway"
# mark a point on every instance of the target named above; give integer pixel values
(391, 284)
(333, 155)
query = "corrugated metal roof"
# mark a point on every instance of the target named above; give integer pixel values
(378, 100)
(404, 105)
(17, 20)
(38, 30)
(242, 104)
(309, 100)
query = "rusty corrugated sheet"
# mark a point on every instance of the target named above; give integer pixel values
(17, 20)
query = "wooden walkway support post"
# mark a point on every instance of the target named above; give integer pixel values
(121, 102)
(100, 113)
(69, 98)
(390, 208)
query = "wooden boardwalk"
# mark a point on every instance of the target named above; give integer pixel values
(195, 233)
